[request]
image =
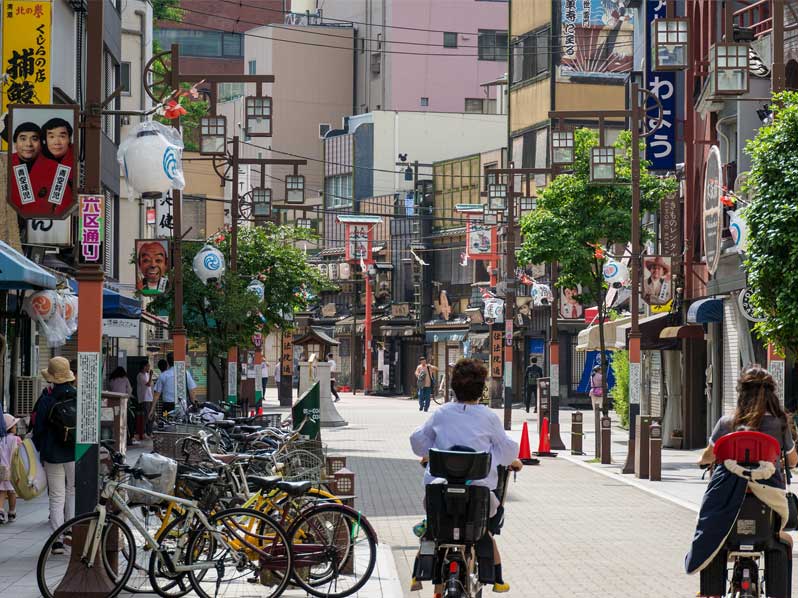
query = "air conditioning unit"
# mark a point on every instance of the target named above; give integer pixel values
(324, 128)
(28, 390)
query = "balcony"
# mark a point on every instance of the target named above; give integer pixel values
(757, 16)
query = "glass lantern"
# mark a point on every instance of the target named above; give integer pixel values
(261, 202)
(497, 196)
(729, 66)
(602, 165)
(259, 116)
(526, 205)
(562, 148)
(295, 189)
(213, 132)
(670, 44)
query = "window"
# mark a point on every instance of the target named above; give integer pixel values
(211, 44)
(450, 39)
(338, 190)
(424, 102)
(110, 122)
(473, 105)
(492, 45)
(252, 67)
(124, 78)
(531, 55)
(232, 44)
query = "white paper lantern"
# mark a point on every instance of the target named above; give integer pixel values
(739, 231)
(257, 288)
(42, 305)
(615, 273)
(151, 157)
(541, 294)
(208, 264)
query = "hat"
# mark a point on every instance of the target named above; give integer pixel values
(10, 421)
(656, 262)
(58, 371)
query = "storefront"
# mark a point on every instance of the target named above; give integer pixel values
(446, 342)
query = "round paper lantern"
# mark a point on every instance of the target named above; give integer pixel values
(257, 288)
(615, 273)
(43, 305)
(541, 294)
(151, 157)
(739, 231)
(208, 264)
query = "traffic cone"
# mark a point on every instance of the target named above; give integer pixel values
(544, 446)
(260, 410)
(523, 452)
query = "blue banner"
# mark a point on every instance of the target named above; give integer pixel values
(594, 359)
(661, 146)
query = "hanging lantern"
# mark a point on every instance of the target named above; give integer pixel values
(739, 231)
(615, 273)
(602, 164)
(541, 294)
(151, 158)
(562, 147)
(208, 264)
(43, 305)
(258, 289)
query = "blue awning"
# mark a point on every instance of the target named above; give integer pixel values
(115, 305)
(446, 336)
(18, 272)
(704, 311)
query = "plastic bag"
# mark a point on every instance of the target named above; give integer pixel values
(151, 156)
(46, 308)
(153, 463)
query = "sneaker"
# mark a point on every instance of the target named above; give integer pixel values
(415, 585)
(12, 517)
(501, 588)
(2, 517)
(419, 529)
(58, 548)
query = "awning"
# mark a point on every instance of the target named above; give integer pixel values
(398, 330)
(316, 335)
(589, 338)
(650, 329)
(115, 305)
(704, 311)
(446, 336)
(695, 331)
(18, 272)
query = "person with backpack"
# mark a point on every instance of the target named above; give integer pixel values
(9, 444)
(425, 382)
(531, 375)
(54, 426)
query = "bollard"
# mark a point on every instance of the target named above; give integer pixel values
(655, 452)
(597, 429)
(642, 423)
(606, 441)
(576, 433)
(344, 484)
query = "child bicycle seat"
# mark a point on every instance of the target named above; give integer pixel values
(747, 448)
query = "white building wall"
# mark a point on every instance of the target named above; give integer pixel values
(64, 48)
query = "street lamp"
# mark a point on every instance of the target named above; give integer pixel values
(602, 164)
(262, 202)
(728, 66)
(562, 148)
(213, 132)
(527, 205)
(670, 44)
(259, 116)
(295, 189)
(409, 173)
(304, 223)
(497, 196)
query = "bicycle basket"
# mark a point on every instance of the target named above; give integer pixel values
(301, 466)
(150, 464)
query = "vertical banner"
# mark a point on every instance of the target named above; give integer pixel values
(670, 215)
(554, 370)
(287, 359)
(26, 38)
(661, 146)
(358, 242)
(232, 382)
(634, 382)
(496, 354)
(180, 381)
(164, 224)
(91, 233)
(89, 396)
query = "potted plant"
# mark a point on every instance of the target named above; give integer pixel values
(677, 439)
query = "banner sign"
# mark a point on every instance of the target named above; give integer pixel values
(661, 146)
(657, 286)
(26, 55)
(496, 353)
(92, 228)
(358, 242)
(287, 359)
(164, 224)
(120, 328)
(713, 210)
(570, 307)
(152, 266)
(480, 241)
(670, 214)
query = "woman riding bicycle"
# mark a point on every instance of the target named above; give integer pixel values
(466, 423)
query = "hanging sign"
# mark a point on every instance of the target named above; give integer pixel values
(670, 214)
(358, 242)
(287, 359)
(480, 241)
(660, 146)
(657, 286)
(50, 232)
(713, 209)
(496, 353)
(92, 228)
(747, 307)
(152, 266)
(164, 225)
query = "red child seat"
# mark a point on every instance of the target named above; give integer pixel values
(747, 448)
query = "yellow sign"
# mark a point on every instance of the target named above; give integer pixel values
(661, 309)
(26, 53)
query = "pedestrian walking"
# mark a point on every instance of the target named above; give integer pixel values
(165, 385)
(333, 371)
(597, 388)
(425, 381)
(265, 377)
(8, 446)
(531, 375)
(55, 419)
(144, 391)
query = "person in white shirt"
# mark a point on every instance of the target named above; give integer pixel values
(144, 394)
(466, 423)
(333, 367)
(165, 386)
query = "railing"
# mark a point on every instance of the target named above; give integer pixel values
(757, 16)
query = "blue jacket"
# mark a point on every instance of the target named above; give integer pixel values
(51, 450)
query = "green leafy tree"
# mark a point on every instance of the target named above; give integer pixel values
(772, 217)
(228, 315)
(166, 10)
(576, 219)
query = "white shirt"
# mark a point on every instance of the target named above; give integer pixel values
(332, 365)
(265, 370)
(474, 426)
(166, 385)
(144, 389)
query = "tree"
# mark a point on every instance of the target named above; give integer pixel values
(166, 10)
(576, 221)
(772, 218)
(228, 315)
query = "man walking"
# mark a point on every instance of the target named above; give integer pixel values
(165, 386)
(531, 375)
(333, 366)
(424, 382)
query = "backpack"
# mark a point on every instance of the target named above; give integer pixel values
(27, 474)
(63, 418)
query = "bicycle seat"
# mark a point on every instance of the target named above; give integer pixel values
(294, 488)
(201, 479)
(263, 482)
(232, 458)
(248, 429)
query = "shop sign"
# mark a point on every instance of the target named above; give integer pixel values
(661, 146)
(747, 307)
(496, 353)
(713, 209)
(480, 241)
(400, 310)
(120, 328)
(671, 225)
(287, 359)
(50, 232)
(92, 228)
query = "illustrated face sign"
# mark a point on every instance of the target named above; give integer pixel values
(152, 266)
(570, 308)
(480, 240)
(42, 149)
(657, 286)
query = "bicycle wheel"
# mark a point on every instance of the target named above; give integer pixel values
(164, 582)
(244, 549)
(116, 547)
(335, 550)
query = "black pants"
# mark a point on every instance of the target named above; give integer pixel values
(530, 397)
(334, 390)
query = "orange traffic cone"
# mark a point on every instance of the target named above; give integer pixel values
(544, 445)
(260, 410)
(523, 452)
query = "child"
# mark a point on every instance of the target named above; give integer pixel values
(8, 446)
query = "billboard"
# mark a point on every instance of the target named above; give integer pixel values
(152, 266)
(596, 40)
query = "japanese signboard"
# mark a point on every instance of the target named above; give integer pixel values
(596, 40)
(480, 241)
(713, 210)
(287, 358)
(670, 215)
(120, 328)
(152, 266)
(92, 228)
(358, 242)
(570, 307)
(661, 146)
(42, 150)
(496, 353)
(50, 232)
(26, 41)
(657, 286)
(164, 226)
(747, 307)
(88, 404)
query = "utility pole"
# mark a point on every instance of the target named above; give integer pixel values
(232, 352)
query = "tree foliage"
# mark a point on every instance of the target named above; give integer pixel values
(228, 315)
(772, 217)
(167, 10)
